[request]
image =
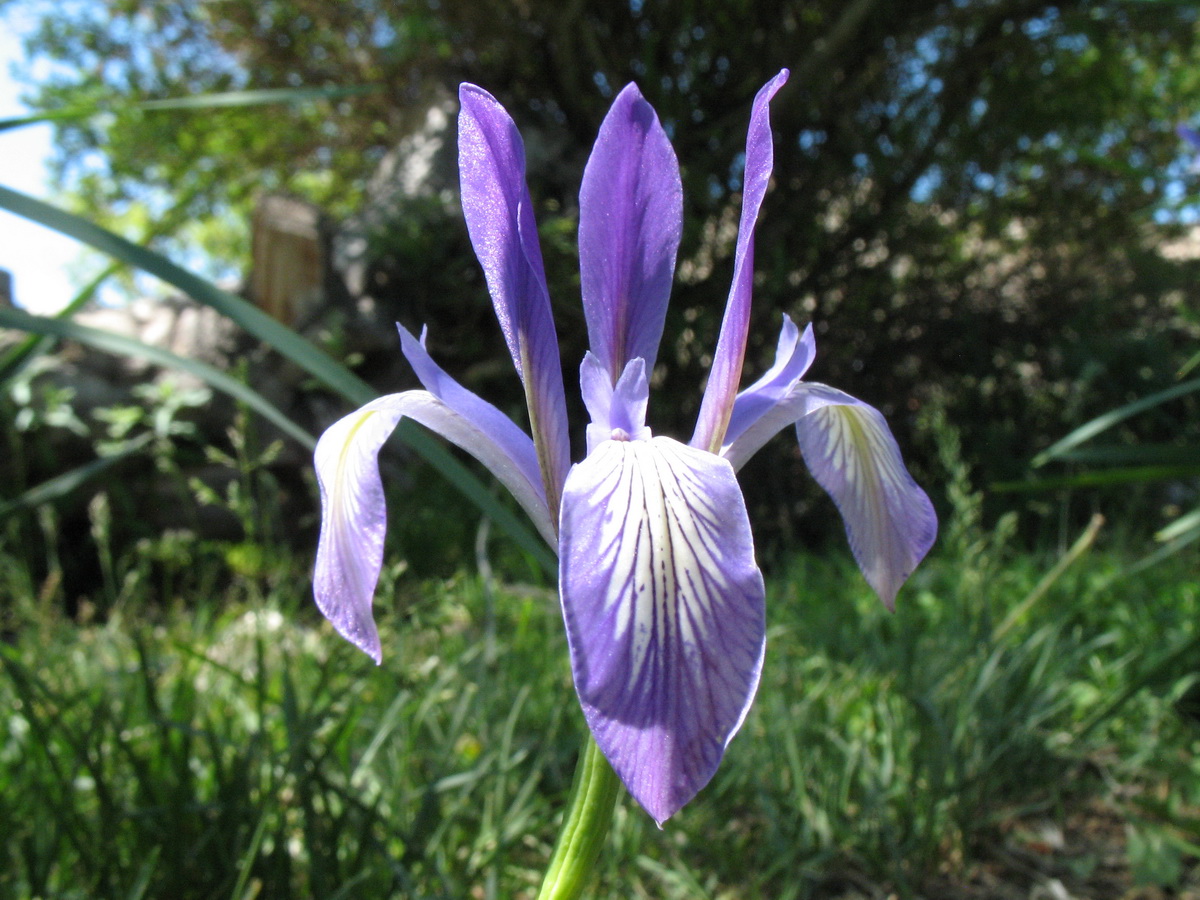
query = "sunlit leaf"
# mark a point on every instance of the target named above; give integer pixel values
(201, 101)
(1101, 423)
(285, 341)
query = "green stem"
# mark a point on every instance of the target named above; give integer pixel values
(593, 797)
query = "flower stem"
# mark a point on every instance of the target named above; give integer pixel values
(593, 797)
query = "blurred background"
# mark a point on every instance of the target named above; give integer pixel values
(983, 206)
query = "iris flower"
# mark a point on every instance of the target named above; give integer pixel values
(661, 595)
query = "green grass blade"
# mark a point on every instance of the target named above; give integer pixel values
(120, 345)
(18, 357)
(1101, 423)
(1140, 455)
(283, 339)
(202, 101)
(1105, 478)
(1183, 526)
(289, 344)
(64, 484)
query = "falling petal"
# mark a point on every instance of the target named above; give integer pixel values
(664, 611)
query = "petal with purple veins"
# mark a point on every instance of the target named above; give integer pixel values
(889, 520)
(353, 511)
(664, 612)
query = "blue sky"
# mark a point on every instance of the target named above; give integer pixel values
(37, 258)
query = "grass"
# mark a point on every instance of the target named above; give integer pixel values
(245, 751)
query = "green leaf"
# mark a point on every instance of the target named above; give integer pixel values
(289, 344)
(200, 101)
(254, 320)
(1131, 455)
(1103, 478)
(1109, 419)
(62, 485)
(1185, 528)
(19, 356)
(119, 345)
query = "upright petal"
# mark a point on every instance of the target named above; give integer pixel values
(499, 214)
(664, 611)
(618, 411)
(353, 512)
(630, 222)
(793, 355)
(726, 370)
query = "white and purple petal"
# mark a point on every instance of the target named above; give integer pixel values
(726, 372)
(889, 520)
(630, 222)
(850, 450)
(501, 224)
(353, 511)
(664, 612)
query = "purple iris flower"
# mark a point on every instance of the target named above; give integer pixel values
(661, 595)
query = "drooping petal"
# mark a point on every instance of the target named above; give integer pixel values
(499, 214)
(850, 450)
(617, 411)
(353, 512)
(664, 612)
(891, 524)
(630, 222)
(726, 370)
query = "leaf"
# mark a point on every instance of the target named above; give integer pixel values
(1098, 479)
(62, 485)
(289, 344)
(1186, 527)
(1131, 455)
(200, 101)
(119, 345)
(1101, 423)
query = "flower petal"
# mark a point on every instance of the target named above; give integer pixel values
(499, 214)
(891, 524)
(630, 222)
(618, 412)
(793, 355)
(726, 370)
(353, 512)
(664, 612)
(850, 450)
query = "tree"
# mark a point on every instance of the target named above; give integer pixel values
(965, 190)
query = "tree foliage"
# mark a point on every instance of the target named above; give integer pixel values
(970, 194)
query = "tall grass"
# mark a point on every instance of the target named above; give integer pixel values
(249, 753)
